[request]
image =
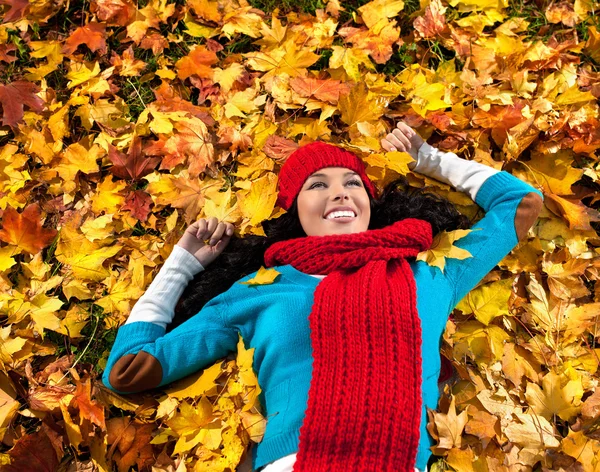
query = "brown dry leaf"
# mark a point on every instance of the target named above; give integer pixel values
(532, 432)
(483, 425)
(449, 427)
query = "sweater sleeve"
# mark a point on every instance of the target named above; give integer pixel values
(144, 357)
(511, 207)
(157, 305)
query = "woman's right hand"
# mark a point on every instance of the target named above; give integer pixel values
(219, 234)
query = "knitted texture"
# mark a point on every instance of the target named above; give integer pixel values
(310, 158)
(364, 401)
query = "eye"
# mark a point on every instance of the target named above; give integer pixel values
(353, 181)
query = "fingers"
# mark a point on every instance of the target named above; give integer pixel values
(400, 138)
(212, 229)
(396, 141)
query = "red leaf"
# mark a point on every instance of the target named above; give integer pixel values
(138, 203)
(5, 49)
(32, 453)
(131, 165)
(14, 96)
(17, 10)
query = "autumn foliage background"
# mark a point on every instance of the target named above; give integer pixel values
(124, 122)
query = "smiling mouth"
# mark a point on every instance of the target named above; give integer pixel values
(342, 219)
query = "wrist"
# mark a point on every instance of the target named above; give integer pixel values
(184, 257)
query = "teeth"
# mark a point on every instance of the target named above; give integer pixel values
(338, 214)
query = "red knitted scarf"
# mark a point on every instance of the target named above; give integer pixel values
(364, 401)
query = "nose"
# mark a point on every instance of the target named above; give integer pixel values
(340, 193)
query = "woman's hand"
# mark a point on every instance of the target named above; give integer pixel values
(403, 138)
(218, 234)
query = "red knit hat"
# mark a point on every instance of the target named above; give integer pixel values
(308, 159)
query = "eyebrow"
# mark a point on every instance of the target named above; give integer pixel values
(325, 175)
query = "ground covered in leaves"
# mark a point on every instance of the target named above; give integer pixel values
(124, 122)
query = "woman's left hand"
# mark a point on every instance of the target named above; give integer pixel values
(403, 138)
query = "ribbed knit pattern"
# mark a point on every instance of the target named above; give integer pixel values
(310, 158)
(364, 401)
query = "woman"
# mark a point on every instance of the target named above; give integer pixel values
(347, 337)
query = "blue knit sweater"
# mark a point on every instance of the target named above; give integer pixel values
(273, 319)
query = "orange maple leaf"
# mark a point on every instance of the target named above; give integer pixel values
(25, 230)
(197, 62)
(326, 90)
(93, 35)
(88, 408)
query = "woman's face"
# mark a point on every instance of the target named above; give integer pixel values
(326, 190)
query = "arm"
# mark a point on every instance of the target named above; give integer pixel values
(143, 356)
(511, 207)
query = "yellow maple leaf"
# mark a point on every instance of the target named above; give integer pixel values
(101, 228)
(487, 301)
(194, 425)
(121, 295)
(443, 247)
(375, 14)
(360, 105)
(6, 256)
(350, 59)
(80, 72)
(9, 345)
(179, 192)
(73, 430)
(484, 344)
(77, 158)
(49, 50)
(592, 46)
(228, 76)
(263, 277)
(258, 203)
(395, 160)
(107, 197)
(583, 448)
(83, 256)
(559, 395)
(242, 20)
(288, 58)
(74, 320)
(199, 383)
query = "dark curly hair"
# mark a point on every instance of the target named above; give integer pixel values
(243, 256)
